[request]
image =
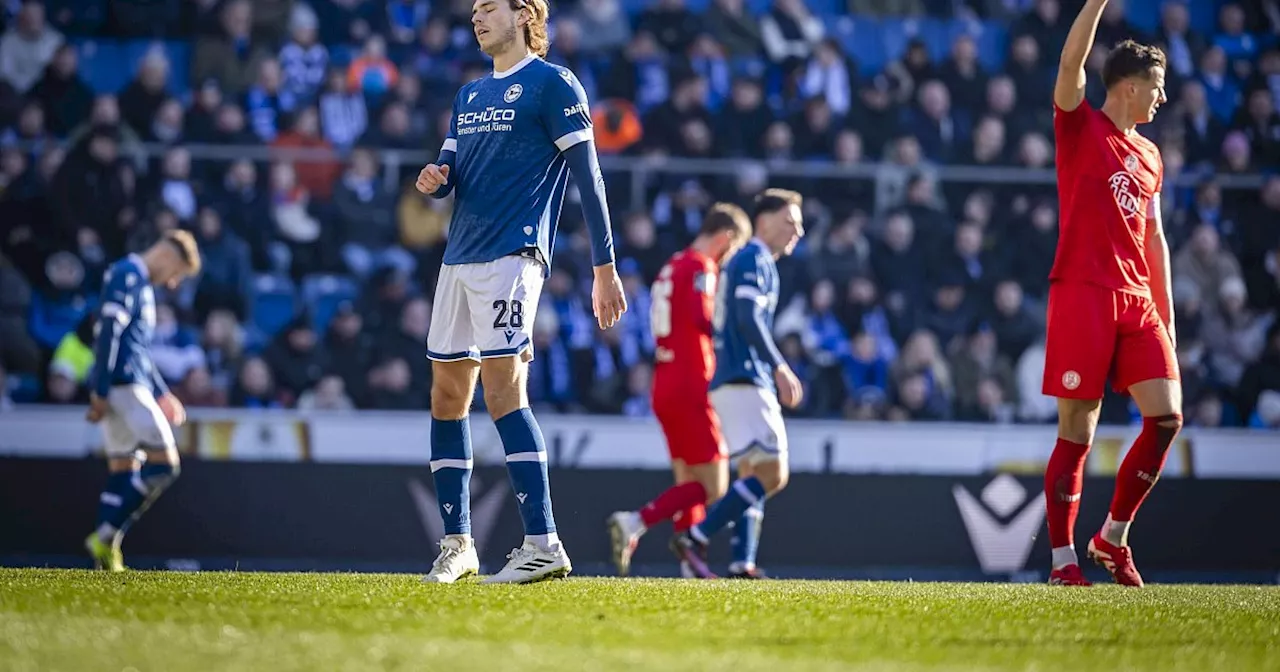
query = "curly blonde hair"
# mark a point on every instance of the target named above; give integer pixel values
(535, 31)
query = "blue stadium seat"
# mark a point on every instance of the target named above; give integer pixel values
(109, 65)
(274, 303)
(323, 294)
(1144, 14)
(24, 388)
(861, 39)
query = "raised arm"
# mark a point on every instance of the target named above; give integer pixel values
(1068, 92)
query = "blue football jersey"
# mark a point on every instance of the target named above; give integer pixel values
(126, 325)
(508, 131)
(748, 283)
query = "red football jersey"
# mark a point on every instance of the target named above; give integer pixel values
(683, 299)
(1108, 184)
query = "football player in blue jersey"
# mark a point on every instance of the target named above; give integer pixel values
(128, 397)
(751, 379)
(514, 137)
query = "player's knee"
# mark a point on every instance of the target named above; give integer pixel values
(160, 475)
(1166, 428)
(773, 476)
(503, 399)
(1077, 423)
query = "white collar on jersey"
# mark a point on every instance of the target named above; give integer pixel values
(515, 68)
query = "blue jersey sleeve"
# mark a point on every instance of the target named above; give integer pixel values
(751, 293)
(114, 315)
(449, 151)
(565, 113)
(568, 122)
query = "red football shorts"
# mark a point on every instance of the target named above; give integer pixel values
(1094, 332)
(690, 425)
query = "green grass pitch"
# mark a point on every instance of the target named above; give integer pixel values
(73, 620)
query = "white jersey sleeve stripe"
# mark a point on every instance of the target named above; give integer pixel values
(568, 140)
(1153, 206)
(749, 292)
(116, 312)
(450, 145)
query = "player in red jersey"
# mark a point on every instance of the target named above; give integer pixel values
(1110, 303)
(682, 305)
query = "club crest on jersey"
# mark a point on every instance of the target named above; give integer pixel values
(513, 92)
(566, 76)
(1131, 163)
(1071, 380)
(1128, 195)
(471, 96)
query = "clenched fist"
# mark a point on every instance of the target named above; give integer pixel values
(432, 178)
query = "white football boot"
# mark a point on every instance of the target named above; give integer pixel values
(530, 564)
(457, 560)
(625, 530)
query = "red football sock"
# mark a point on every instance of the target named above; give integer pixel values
(1063, 480)
(689, 517)
(673, 500)
(1142, 465)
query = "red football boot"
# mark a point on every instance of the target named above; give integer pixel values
(1118, 560)
(1068, 575)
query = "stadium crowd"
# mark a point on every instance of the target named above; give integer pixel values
(911, 298)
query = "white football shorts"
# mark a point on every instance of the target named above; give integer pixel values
(751, 420)
(134, 420)
(485, 310)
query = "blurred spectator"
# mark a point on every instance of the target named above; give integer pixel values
(175, 348)
(60, 387)
(964, 77)
(245, 208)
(317, 176)
(230, 57)
(433, 58)
(790, 33)
(303, 60)
(1015, 323)
(18, 352)
(196, 390)
(299, 248)
(1234, 334)
(405, 342)
(1261, 124)
(743, 120)
(223, 343)
(202, 117)
(329, 394)
(142, 98)
(169, 125)
(365, 216)
(372, 73)
(976, 366)
(1034, 405)
(671, 23)
(1202, 131)
(30, 130)
(349, 349)
(266, 102)
(393, 130)
(828, 76)
(74, 354)
(605, 26)
(1182, 47)
(1221, 90)
(348, 21)
(62, 93)
(295, 359)
(729, 22)
(27, 47)
(1204, 262)
(227, 271)
(391, 387)
(175, 189)
(343, 114)
(94, 189)
(1263, 376)
(950, 314)
(255, 387)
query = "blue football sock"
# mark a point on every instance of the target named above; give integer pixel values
(155, 479)
(746, 535)
(121, 497)
(451, 469)
(742, 494)
(527, 466)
